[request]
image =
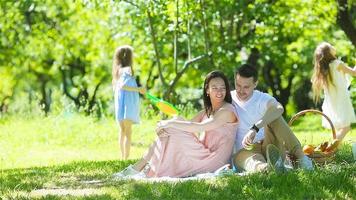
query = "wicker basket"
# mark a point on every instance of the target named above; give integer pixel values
(319, 157)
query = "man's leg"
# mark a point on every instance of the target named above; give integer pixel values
(279, 133)
(250, 160)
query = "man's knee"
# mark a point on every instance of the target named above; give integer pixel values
(239, 159)
(279, 123)
(249, 161)
(235, 160)
(255, 163)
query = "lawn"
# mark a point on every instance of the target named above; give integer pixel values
(73, 157)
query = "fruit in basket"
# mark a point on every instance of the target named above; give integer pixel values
(308, 149)
(332, 146)
(321, 147)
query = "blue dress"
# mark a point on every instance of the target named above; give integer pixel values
(127, 103)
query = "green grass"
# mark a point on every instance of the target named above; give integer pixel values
(29, 142)
(73, 157)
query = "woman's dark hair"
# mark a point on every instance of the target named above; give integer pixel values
(247, 71)
(207, 103)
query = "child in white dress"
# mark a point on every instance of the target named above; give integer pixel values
(333, 77)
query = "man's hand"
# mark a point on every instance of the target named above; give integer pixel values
(248, 139)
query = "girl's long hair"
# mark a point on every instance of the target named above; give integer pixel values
(321, 77)
(122, 58)
(207, 102)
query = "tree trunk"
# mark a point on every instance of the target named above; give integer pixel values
(344, 20)
(206, 33)
(253, 58)
(46, 97)
(155, 46)
(176, 38)
(66, 88)
(4, 105)
(272, 78)
(93, 101)
(180, 74)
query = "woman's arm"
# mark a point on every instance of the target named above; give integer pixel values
(221, 117)
(346, 69)
(198, 117)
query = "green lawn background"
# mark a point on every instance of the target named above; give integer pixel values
(61, 157)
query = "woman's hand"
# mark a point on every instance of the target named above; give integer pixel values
(164, 124)
(161, 133)
(161, 125)
(179, 118)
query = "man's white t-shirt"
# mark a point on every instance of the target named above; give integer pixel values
(249, 113)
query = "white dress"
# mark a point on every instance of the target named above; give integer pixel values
(337, 102)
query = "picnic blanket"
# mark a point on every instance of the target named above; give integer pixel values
(221, 172)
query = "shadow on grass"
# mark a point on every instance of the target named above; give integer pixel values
(332, 181)
(68, 175)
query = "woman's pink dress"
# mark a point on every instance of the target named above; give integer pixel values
(182, 154)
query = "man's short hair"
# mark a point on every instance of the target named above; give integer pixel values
(247, 71)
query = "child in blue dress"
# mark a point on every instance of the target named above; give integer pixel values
(126, 95)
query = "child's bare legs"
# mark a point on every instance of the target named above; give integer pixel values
(128, 129)
(341, 133)
(125, 138)
(122, 139)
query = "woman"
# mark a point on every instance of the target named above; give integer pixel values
(178, 152)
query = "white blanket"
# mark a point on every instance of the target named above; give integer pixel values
(223, 171)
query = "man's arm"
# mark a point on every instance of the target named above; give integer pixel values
(274, 110)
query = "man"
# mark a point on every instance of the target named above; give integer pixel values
(263, 136)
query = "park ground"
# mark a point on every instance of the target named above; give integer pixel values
(73, 157)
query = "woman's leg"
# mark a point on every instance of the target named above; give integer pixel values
(128, 133)
(139, 165)
(341, 133)
(122, 134)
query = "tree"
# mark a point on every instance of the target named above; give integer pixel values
(51, 47)
(345, 19)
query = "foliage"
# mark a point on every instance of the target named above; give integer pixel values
(67, 46)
